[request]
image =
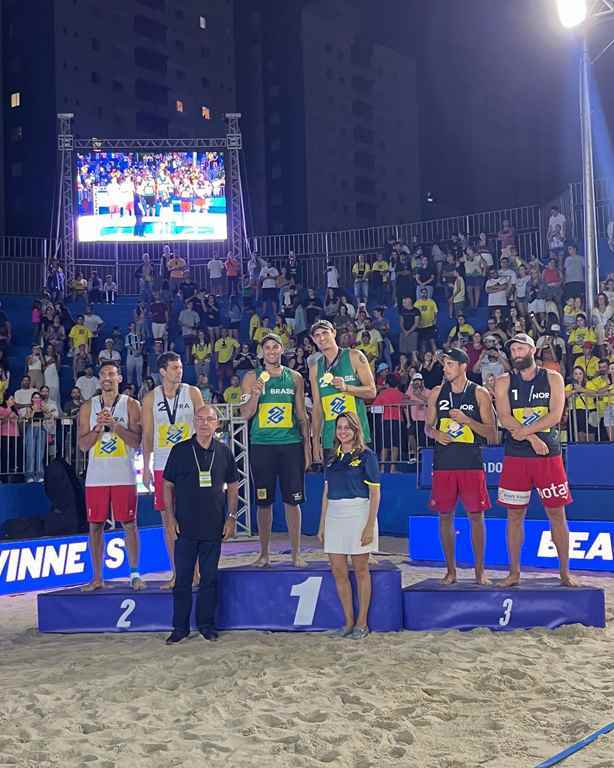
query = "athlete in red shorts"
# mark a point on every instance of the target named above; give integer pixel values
(530, 404)
(462, 418)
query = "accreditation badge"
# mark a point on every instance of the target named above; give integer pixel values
(204, 479)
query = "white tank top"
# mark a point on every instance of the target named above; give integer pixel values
(166, 434)
(111, 461)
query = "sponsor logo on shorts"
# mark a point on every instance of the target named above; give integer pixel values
(515, 498)
(554, 491)
(261, 494)
(337, 405)
(275, 415)
(297, 496)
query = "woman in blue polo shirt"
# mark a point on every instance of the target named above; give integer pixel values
(348, 524)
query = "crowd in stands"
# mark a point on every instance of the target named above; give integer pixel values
(400, 308)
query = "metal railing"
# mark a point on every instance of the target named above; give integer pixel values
(590, 418)
(27, 446)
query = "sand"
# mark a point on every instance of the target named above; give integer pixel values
(429, 700)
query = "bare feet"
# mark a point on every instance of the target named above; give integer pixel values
(137, 584)
(170, 584)
(93, 585)
(298, 561)
(482, 580)
(569, 581)
(262, 562)
(513, 580)
(449, 578)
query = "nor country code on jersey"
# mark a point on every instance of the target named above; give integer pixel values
(171, 434)
(335, 405)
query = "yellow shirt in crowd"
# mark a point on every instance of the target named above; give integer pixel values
(224, 349)
(428, 312)
(232, 395)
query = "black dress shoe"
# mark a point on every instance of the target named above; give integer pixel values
(176, 637)
(209, 634)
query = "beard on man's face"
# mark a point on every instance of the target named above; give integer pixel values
(522, 363)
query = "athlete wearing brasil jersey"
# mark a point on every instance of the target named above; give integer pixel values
(462, 418)
(341, 380)
(279, 441)
(110, 429)
(530, 404)
(168, 419)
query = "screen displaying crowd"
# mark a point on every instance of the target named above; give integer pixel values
(151, 196)
(400, 307)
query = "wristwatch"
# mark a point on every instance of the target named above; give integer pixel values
(232, 516)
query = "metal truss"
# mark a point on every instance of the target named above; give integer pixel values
(233, 188)
(236, 429)
(65, 151)
(100, 145)
(601, 9)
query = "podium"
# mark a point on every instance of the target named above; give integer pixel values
(279, 598)
(428, 605)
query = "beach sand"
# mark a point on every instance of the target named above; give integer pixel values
(280, 700)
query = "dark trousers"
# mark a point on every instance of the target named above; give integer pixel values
(187, 551)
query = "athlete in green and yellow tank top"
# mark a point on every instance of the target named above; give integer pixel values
(274, 422)
(280, 447)
(341, 381)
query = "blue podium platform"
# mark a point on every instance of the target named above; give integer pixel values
(429, 605)
(280, 598)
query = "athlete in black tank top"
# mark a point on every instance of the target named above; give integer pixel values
(462, 416)
(530, 404)
(464, 452)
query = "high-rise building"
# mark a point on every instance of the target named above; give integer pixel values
(124, 68)
(327, 89)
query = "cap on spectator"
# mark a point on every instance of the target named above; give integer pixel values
(458, 355)
(382, 367)
(588, 344)
(271, 337)
(325, 324)
(417, 377)
(521, 338)
(491, 337)
(555, 327)
(108, 341)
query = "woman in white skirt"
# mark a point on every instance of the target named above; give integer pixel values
(348, 523)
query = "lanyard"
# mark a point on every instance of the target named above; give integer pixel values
(103, 407)
(172, 415)
(327, 367)
(208, 471)
(462, 394)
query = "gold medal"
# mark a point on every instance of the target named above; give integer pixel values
(327, 378)
(264, 376)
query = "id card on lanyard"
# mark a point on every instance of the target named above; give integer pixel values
(204, 476)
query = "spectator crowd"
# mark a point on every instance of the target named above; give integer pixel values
(400, 307)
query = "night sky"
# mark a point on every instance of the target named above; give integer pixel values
(499, 102)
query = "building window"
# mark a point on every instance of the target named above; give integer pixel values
(179, 105)
(202, 22)
(15, 99)
(206, 113)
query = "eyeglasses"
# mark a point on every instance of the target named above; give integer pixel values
(205, 419)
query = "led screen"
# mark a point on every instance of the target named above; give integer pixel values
(140, 196)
